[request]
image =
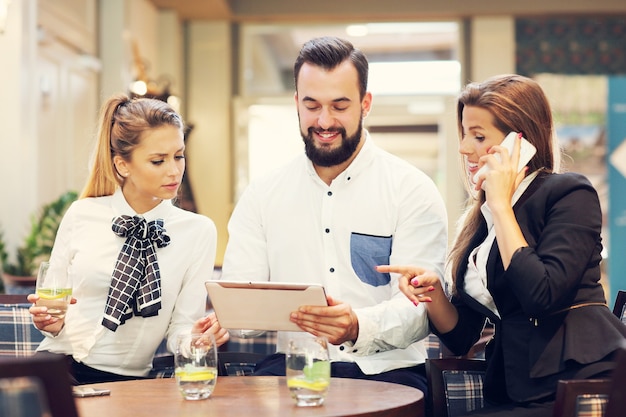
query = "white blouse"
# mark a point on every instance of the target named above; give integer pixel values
(87, 248)
(476, 274)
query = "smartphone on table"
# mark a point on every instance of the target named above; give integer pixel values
(84, 391)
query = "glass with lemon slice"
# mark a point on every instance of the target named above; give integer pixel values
(196, 365)
(308, 369)
(53, 289)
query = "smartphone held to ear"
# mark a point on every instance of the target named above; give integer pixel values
(527, 151)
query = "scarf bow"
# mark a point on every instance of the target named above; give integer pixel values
(136, 283)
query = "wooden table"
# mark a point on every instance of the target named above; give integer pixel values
(255, 396)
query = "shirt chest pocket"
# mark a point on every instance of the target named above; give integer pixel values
(367, 251)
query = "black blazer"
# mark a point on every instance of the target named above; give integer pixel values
(554, 323)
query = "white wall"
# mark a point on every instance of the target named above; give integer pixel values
(492, 47)
(209, 149)
(18, 168)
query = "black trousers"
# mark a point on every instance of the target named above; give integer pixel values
(81, 374)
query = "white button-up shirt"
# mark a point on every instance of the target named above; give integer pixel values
(292, 227)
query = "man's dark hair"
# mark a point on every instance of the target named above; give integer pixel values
(328, 52)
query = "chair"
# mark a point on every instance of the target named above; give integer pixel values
(238, 363)
(620, 304)
(49, 372)
(581, 398)
(18, 336)
(477, 351)
(455, 382)
(617, 391)
(455, 386)
(229, 364)
(264, 343)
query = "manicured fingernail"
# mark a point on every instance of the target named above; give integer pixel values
(414, 282)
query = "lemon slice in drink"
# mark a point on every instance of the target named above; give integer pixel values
(318, 385)
(317, 370)
(316, 377)
(194, 375)
(54, 293)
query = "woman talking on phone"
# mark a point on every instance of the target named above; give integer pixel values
(526, 257)
(137, 263)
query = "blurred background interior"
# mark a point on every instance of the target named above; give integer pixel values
(227, 66)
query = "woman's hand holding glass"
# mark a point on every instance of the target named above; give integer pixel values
(50, 302)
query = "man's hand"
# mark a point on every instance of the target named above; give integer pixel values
(337, 322)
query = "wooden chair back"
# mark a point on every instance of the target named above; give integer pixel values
(620, 304)
(455, 386)
(13, 299)
(617, 391)
(581, 397)
(51, 371)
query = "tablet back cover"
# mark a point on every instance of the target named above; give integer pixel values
(261, 305)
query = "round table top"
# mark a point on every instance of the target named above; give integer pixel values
(255, 396)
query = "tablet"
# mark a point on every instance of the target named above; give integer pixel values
(261, 305)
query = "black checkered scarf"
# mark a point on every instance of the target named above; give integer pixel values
(136, 285)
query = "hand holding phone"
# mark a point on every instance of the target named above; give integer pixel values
(527, 151)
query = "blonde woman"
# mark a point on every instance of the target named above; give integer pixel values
(137, 262)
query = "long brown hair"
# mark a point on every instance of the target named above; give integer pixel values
(517, 104)
(122, 121)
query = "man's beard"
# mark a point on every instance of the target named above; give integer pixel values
(326, 156)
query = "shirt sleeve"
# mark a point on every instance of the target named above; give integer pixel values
(544, 274)
(420, 239)
(246, 241)
(191, 300)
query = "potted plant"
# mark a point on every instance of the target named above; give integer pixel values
(37, 244)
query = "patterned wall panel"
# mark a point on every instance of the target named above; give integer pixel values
(571, 45)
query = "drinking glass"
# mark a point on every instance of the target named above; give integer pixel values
(195, 363)
(308, 369)
(54, 290)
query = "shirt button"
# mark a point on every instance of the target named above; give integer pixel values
(355, 350)
(342, 347)
(349, 178)
(332, 269)
(327, 230)
(330, 193)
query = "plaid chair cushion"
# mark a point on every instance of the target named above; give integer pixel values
(264, 343)
(591, 405)
(18, 335)
(433, 347)
(463, 390)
